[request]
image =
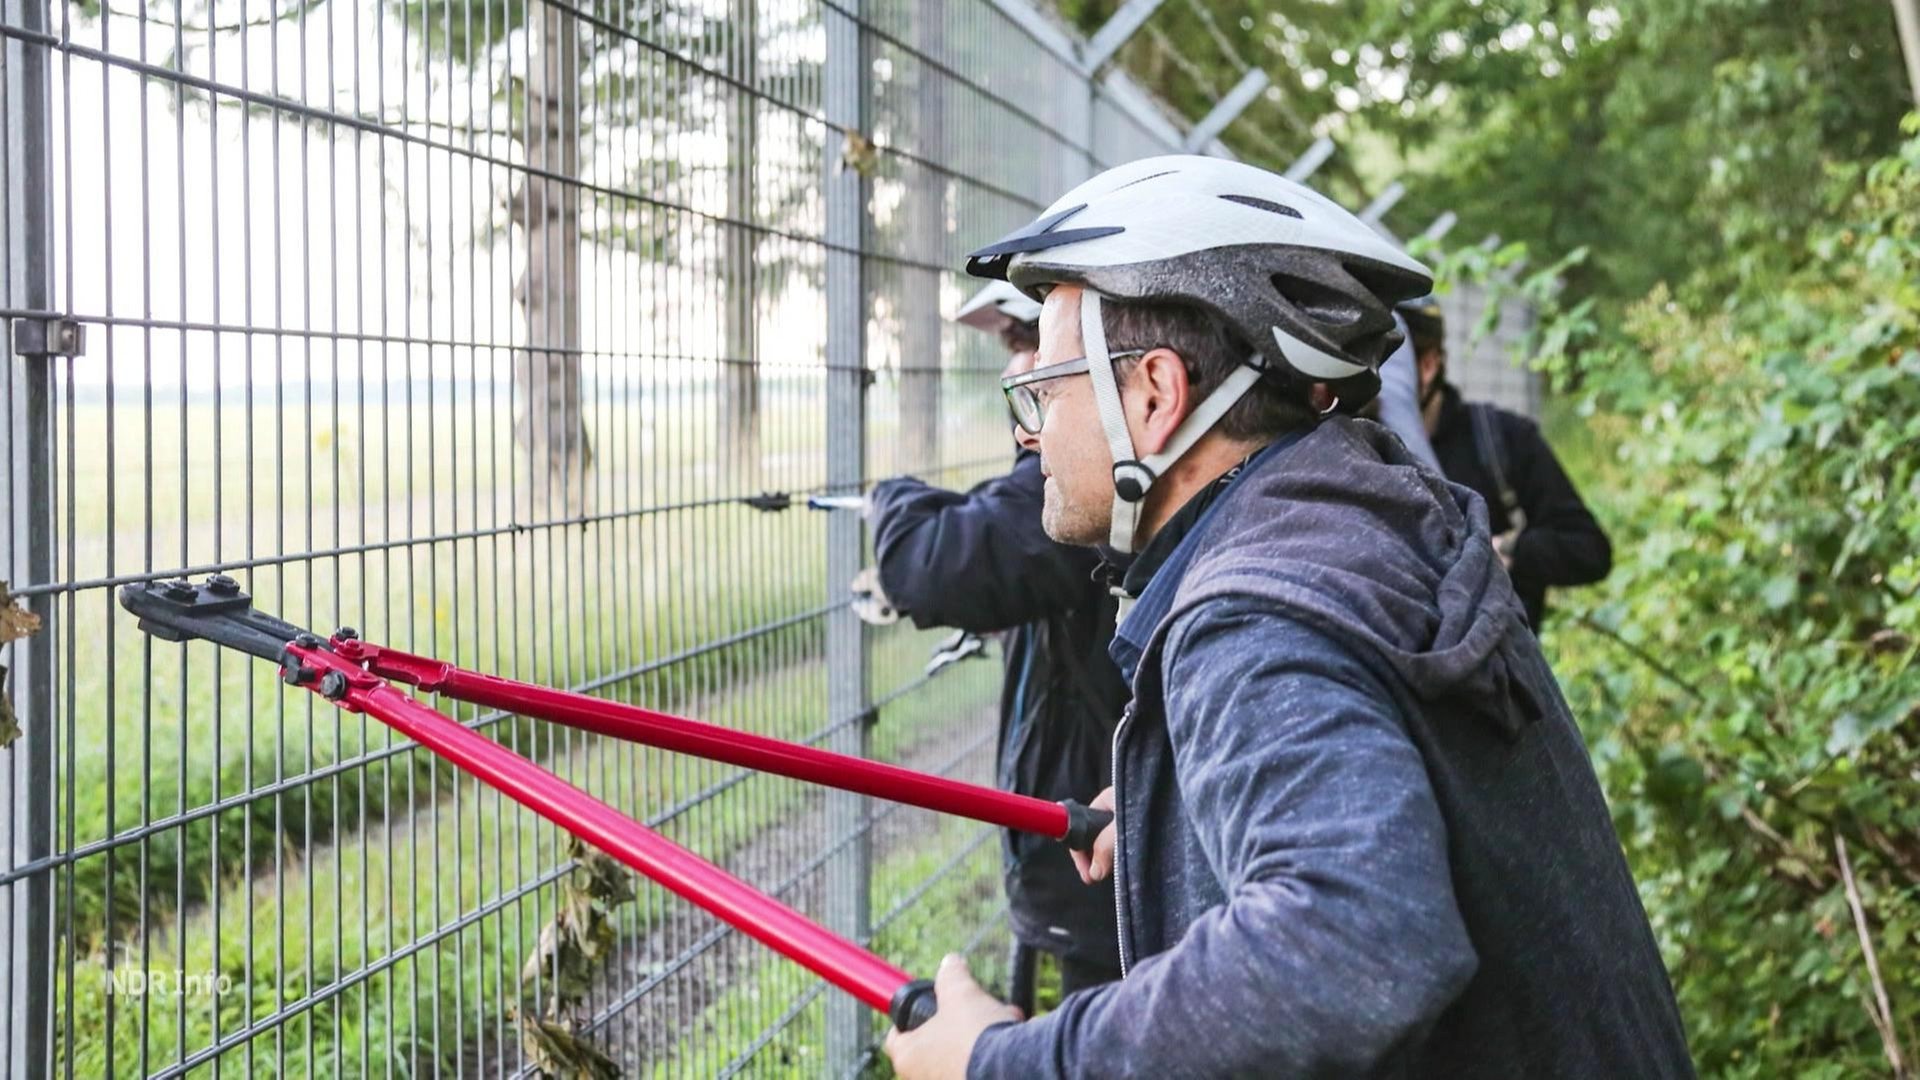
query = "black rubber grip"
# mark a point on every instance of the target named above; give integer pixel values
(913, 1004)
(1084, 825)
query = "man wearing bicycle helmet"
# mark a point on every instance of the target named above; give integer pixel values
(1357, 832)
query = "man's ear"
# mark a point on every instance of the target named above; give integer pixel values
(1157, 397)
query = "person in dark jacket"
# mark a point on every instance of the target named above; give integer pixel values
(980, 561)
(1357, 831)
(1542, 529)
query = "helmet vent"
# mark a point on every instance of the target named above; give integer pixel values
(1385, 282)
(1263, 204)
(1324, 304)
(1144, 179)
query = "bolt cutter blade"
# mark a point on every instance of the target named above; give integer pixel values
(215, 610)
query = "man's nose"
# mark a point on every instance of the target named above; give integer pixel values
(1027, 439)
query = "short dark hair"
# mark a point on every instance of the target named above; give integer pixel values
(1211, 351)
(1020, 336)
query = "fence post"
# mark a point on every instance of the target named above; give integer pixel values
(26, 768)
(850, 870)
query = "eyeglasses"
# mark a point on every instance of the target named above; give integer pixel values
(1023, 402)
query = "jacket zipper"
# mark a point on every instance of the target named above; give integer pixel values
(1119, 886)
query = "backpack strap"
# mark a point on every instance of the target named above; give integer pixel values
(1492, 450)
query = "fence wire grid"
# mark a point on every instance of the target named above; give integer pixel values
(470, 325)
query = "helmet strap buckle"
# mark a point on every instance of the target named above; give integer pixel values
(1131, 479)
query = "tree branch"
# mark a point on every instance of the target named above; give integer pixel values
(1883, 1021)
(1907, 861)
(219, 28)
(1640, 654)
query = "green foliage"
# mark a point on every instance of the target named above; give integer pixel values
(1747, 675)
(1684, 143)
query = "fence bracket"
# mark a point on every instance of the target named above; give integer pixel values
(53, 336)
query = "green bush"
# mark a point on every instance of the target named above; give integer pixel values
(1747, 675)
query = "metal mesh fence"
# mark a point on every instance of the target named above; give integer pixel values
(470, 324)
(1482, 362)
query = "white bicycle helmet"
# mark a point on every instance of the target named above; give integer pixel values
(996, 307)
(1308, 286)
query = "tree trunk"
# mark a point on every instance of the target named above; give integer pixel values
(920, 419)
(549, 424)
(739, 405)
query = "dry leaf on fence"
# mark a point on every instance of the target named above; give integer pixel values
(859, 154)
(15, 622)
(601, 876)
(9, 727)
(559, 1052)
(560, 957)
(582, 934)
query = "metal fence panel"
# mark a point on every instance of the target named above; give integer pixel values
(1482, 363)
(470, 324)
(27, 526)
(849, 896)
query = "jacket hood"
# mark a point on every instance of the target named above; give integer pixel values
(1348, 533)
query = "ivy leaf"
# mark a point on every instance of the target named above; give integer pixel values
(1779, 591)
(1848, 735)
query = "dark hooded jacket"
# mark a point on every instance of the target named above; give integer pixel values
(979, 560)
(1561, 543)
(1359, 834)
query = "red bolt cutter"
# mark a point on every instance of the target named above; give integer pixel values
(356, 675)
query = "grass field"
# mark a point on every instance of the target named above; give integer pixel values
(297, 927)
(234, 827)
(963, 910)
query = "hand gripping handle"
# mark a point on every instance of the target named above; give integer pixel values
(913, 1004)
(1084, 825)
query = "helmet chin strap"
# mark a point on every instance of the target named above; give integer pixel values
(1133, 477)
